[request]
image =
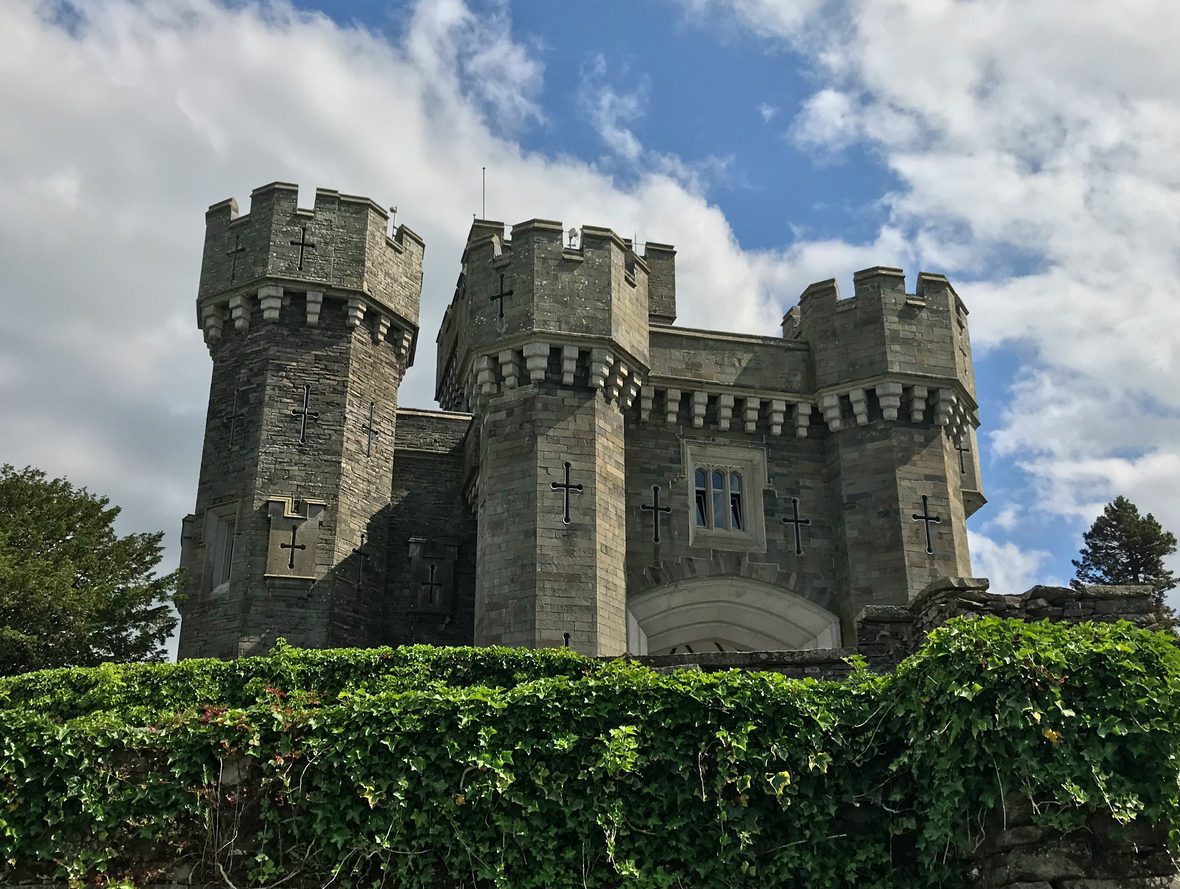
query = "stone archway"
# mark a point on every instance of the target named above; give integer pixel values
(728, 614)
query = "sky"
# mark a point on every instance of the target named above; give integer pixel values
(1025, 148)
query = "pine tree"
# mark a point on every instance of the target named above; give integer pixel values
(1124, 547)
(72, 591)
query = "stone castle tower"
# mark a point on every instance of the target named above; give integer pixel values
(598, 476)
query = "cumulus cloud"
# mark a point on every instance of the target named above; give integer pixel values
(124, 121)
(612, 111)
(768, 18)
(1010, 568)
(830, 120)
(1033, 146)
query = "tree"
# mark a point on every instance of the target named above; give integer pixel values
(72, 591)
(1124, 547)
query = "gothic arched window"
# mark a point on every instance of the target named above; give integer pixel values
(719, 498)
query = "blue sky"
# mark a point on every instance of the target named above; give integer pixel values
(1025, 150)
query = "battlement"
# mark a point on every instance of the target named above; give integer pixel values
(541, 282)
(341, 246)
(881, 330)
(879, 281)
(657, 262)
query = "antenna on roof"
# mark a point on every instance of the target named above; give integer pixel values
(484, 210)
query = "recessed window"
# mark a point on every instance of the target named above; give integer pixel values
(220, 532)
(725, 485)
(719, 498)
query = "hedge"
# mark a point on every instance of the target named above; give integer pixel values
(424, 767)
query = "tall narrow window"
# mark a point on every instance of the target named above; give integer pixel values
(719, 499)
(735, 501)
(225, 550)
(222, 525)
(702, 491)
(717, 484)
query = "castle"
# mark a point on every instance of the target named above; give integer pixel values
(597, 476)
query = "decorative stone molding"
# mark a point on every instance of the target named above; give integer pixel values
(569, 364)
(270, 299)
(917, 403)
(356, 312)
(485, 374)
(700, 400)
(631, 391)
(944, 406)
(889, 397)
(645, 404)
(672, 406)
(315, 302)
(239, 309)
(860, 406)
(617, 380)
(724, 411)
(802, 418)
(212, 320)
(778, 410)
(405, 344)
(508, 368)
(830, 406)
(753, 408)
(536, 360)
(600, 362)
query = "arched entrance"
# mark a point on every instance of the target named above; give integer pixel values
(726, 614)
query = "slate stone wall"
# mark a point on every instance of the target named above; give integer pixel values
(540, 577)
(657, 455)
(429, 504)
(1018, 854)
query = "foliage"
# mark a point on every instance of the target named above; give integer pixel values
(72, 591)
(429, 767)
(1124, 547)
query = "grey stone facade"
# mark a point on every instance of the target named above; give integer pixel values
(817, 449)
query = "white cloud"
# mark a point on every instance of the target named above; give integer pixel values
(767, 112)
(120, 129)
(1010, 568)
(611, 111)
(1034, 148)
(768, 18)
(830, 120)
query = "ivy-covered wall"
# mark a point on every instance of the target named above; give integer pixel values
(422, 767)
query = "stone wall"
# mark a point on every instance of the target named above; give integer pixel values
(430, 525)
(888, 633)
(1017, 854)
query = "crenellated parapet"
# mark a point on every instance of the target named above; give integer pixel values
(884, 354)
(571, 306)
(256, 265)
(883, 331)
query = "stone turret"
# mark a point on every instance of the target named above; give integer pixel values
(311, 318)
(547, 343)
(895, 388)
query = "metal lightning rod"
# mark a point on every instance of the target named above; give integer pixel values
(484, 208)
